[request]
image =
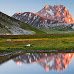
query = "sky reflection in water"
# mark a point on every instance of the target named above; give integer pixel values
(37, 63)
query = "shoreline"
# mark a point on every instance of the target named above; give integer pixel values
(37, 51)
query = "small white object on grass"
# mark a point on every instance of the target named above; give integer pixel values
(28, 45)
(8, 39)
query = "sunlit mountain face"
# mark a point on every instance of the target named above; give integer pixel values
(49, 17)
(57, 12)
(55, 61)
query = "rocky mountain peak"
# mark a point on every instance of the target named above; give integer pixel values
(57, 12)
(48, 17)
(18, 12)
(47, 6)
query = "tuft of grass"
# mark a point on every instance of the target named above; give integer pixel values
(65, 42)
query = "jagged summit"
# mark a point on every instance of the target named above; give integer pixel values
(18, 12)
(57, 12)
(47, 6)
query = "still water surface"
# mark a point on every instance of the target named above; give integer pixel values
(37, 63)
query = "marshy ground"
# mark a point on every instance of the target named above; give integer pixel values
(37, 42)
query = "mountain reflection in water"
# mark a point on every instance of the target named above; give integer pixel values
(56, 61)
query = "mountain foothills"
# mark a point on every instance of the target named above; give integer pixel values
(11, 26)
(56, 17)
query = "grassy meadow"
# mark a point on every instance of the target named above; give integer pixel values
(37, 42)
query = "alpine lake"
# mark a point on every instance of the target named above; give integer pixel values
(37, 63)
(16, 56)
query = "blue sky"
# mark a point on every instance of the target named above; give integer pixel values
(12, 6)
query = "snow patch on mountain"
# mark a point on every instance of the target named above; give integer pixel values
(51, 12)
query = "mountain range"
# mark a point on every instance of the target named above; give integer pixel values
(57, 12)
(49, 17)
(55, 17)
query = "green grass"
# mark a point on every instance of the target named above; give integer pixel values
(31, 28)
(59, 31)
(39, 36)
(47, 42)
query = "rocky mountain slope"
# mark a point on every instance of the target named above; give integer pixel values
(57, 12)
(39, 21)
(9, 25)
(56, 17)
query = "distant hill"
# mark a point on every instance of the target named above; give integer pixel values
(9, 25)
